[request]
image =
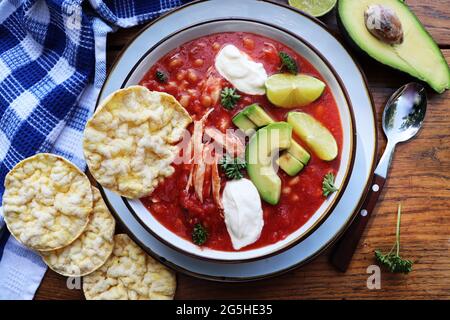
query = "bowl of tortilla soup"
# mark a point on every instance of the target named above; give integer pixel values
(270, 148)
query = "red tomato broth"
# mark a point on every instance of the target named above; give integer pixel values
(169, 201)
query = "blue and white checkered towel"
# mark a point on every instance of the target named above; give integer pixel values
(52, 66)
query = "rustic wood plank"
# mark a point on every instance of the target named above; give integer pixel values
(434, 15)
(54, 287)
(419, 178)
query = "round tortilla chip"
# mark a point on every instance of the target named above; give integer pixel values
(129, 274)
(92, 248)
(47, 202)
(129, 141)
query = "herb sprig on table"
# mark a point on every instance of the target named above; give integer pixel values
(232, 167)
(288, 63)
(229, 98)
(392, 260)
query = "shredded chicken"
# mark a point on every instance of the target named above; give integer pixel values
(199, 178)
(207, 182)
(215, 177)
(202, 172)
(198, 165)
(232, 143)
(187, 156)
(189, 182)
(197, 135)
(204, 165)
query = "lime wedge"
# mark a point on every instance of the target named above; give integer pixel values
(316, 8)
(290, 91)
(314, 134)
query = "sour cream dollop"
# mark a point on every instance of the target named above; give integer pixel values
(242, 72)
(243, 212)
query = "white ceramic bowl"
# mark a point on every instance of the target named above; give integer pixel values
(332, 80)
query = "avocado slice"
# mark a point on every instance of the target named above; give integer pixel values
(417, 54)
(242, 121)
(289, 164)
(245, 124)
(298, 152)
(259, 153)
(257, 115)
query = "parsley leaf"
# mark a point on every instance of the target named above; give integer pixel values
(229, 98)
(199, 234)
(288, 63)
(328, 184)
(232, 167)
(160, 76)
(392, 260)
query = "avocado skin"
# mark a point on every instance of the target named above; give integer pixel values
(346, 36)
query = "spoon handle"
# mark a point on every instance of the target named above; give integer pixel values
(346, 246)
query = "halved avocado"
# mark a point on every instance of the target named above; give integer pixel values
(417, 54)
(259, 154)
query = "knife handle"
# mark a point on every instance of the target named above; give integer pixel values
(343, 251)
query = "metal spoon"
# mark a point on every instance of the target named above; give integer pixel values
(402, 118)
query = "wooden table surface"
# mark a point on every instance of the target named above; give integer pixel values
(419, 179)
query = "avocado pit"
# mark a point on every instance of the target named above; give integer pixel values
(384, 24)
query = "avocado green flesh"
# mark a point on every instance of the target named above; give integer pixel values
(243, 123)
(257, 115)
(417, 55)
(298, 152)
(289, 164)
(259, 153)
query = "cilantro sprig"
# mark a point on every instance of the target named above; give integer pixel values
(160, 76)
(288, 63)
(392, 260)
(229, 98)
(199, 234)
(232, 167)
(328, 184)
